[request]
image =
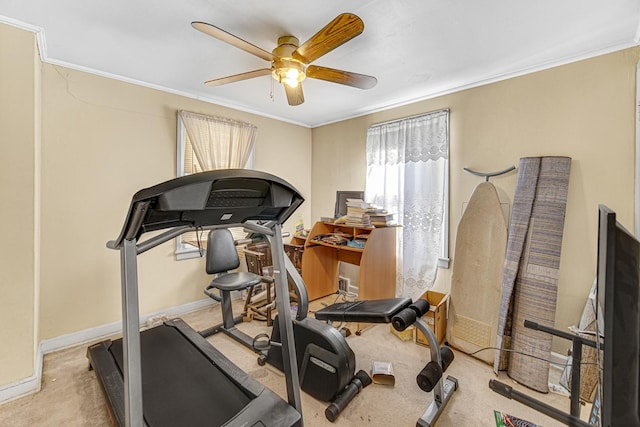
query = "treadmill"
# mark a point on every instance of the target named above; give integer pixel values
(169, 375)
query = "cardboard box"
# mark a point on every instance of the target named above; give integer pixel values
(406, 335)
(436, 317)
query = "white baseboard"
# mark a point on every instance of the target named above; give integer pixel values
(558, 364)
(24, 386)
(32, 384)
(558, 361)
(105, 331)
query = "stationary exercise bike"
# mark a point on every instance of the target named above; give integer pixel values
(326, 363)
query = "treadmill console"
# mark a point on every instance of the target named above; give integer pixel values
(226, 196)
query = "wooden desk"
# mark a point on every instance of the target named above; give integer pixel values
(377, 261)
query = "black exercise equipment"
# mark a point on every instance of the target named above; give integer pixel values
(222, 257)
(571, 419)
(186, 381)
(359, 381)
(326, 362)
(428, 378)
(401, 313)
(202, 389)
(408, 316)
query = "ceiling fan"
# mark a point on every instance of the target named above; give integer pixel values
(290, 62)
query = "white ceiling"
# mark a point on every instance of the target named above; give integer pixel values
(415, 48)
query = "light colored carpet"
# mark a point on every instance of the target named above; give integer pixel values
(71, 395)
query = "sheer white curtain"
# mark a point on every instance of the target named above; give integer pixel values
(219, 143)
(407, 173)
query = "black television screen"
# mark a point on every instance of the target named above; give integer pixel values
(341, 201)
(619, 296)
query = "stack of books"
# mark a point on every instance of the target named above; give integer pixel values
(363, 214)
(381, 219)
(357, 213)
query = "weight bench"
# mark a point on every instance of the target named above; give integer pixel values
(402, 313)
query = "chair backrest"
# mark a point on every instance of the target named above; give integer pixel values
(222, 255)
(263, 264)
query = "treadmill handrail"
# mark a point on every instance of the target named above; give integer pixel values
(178, 231)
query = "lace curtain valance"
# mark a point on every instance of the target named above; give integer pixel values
(415, 139)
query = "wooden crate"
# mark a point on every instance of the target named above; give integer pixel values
(436, 317)
(294, 252)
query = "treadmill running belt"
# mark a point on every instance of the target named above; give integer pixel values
(180, 387)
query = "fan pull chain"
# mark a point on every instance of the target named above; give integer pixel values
(271, 92)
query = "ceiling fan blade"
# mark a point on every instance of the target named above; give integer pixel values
(226, 37)
(294, 94)
(360, 81)
(343, 28)
(238, 77)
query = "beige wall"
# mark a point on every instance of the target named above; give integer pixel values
(102, 141)
(583, 110)
(19, 147)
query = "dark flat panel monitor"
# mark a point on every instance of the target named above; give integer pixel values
(341, 201)
(619, 297)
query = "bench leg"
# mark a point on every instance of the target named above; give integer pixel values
(443, 390)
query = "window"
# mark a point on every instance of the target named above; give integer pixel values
(209, 143)
(408, 174)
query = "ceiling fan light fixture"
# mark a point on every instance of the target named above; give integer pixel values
(291, 77)
(288, 71)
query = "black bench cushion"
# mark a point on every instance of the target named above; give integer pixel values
(368, 311)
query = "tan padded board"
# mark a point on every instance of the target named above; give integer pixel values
(476, 280)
